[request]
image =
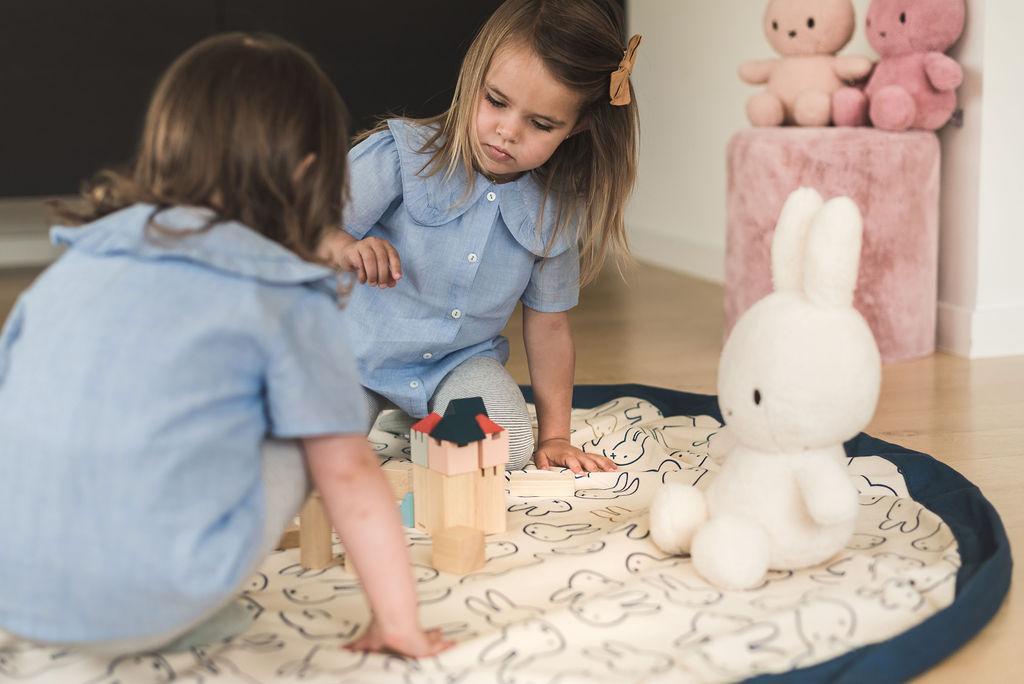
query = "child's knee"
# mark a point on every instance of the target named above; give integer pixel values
(520, 447)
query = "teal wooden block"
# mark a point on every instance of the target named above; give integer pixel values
(407, 511)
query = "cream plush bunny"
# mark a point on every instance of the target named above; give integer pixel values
(799, 375)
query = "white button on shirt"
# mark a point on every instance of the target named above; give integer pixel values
(472, 258)
(491, 197)
(428, 355)
(414, 384)
(456, 313)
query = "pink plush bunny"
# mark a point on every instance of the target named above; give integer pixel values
(914, 85)
(801, 85)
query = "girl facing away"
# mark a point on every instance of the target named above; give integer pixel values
(515, 193)
(142, 373)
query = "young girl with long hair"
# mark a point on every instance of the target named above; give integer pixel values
(515, 193)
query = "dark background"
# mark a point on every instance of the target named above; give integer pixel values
(75, 76)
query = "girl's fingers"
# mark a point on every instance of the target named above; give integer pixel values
(394, 262)
(383, 265)
(541, 460)
(369, 264)
(360, 268)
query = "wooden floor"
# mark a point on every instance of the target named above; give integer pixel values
(664, 329)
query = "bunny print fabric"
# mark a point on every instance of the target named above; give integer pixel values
(575, 590)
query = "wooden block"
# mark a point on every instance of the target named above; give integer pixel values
(441, 501)
(419, 446)
(451, 459)
(547, 483)
(494, 450)
(399, 476)
(315, 551)
(458, 550)
(491, 503)
(289, 538)
(407, 510)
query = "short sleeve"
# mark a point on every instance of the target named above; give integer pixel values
(11, 330)
(375, 182)
(555, 282)
(313, 385)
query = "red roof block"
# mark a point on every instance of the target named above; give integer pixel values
(487, 425)
(427, 424)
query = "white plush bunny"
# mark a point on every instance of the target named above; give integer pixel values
(799, 375)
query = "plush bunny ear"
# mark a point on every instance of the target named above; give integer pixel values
(790, 234)
(832, 256)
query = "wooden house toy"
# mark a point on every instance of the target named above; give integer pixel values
(459, 469)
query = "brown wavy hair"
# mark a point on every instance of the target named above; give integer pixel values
(590, 176)
(228, 125)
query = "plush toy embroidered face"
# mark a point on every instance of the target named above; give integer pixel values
(808, 27)
(801, 369)
(899, 27)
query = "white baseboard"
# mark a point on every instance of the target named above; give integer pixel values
(678, 254)
(24, 233)
(981, 333)
(26, 250)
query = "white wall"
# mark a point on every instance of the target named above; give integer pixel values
(692, 102)
(998, 317)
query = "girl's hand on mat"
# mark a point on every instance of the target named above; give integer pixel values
(374, 261)
(413, 642)
(559, 452)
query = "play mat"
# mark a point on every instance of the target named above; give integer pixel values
(575, 591)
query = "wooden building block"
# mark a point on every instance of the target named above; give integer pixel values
(546, 483)
(451, 459)
(289, 538)
(315, 552)
(494, 450)
(490, 500)
(399, 476)
(419, 445)
(441, 501)
(407, 510)
(458, 550)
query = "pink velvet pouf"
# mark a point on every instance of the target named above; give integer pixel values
(893, 178)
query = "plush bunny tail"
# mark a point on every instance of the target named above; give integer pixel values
(832, 256)
(790, 235)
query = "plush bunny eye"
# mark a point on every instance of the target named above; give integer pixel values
(757, 397)
(903, 17)
(775, 26)
(810, 22)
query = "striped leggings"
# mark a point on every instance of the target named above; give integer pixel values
(478, 376)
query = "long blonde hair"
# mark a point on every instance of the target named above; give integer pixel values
(230, 122)
(591, 174)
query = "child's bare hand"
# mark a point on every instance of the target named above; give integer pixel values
(559, 452)
(374, 260)
(415, 642)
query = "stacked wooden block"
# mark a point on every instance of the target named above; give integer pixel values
(459, 481)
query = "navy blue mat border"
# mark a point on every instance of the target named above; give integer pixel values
(981, 583)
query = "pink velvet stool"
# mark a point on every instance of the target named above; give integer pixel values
(893, 178)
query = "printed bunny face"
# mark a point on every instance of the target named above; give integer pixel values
(899, 27)
(808, 27)
(801, 369)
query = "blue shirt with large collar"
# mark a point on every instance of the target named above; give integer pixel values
(466, 260)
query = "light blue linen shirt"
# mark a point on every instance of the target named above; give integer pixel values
(139, 376)
(466, 261)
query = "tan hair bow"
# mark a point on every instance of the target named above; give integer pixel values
(619, 89)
